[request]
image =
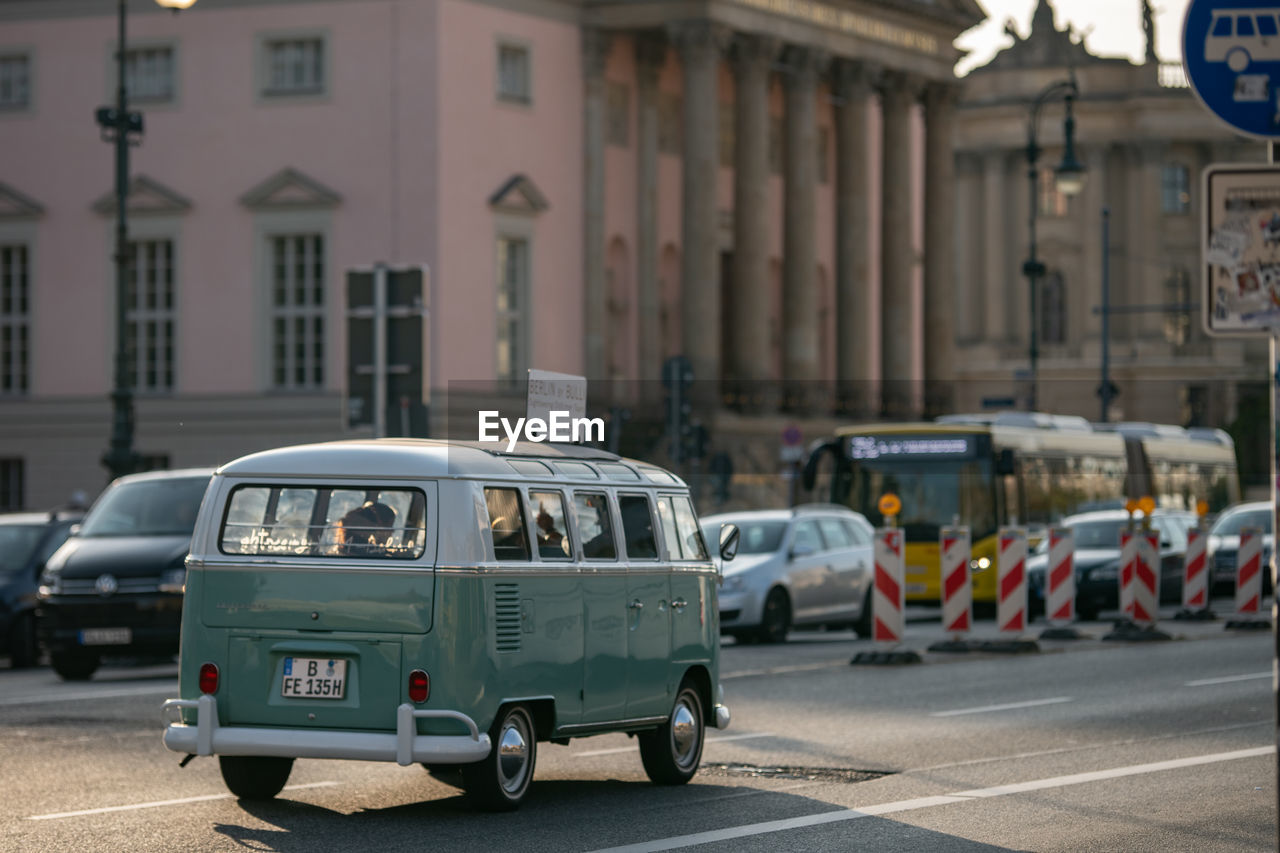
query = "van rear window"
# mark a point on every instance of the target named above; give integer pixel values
(325, 521)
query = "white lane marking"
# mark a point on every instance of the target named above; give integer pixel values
(782, 670)
(1008, 706)
(748, 830)
(1226, 679)
(621, 749)
(77, 695)
(159, 803)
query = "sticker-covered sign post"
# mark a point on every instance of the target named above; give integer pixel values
(1229, 53)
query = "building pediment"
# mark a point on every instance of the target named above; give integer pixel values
(290, 189)
(145, 195)
(519, 194)
(15, 205)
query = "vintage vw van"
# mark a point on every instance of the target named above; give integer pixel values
(449, 604)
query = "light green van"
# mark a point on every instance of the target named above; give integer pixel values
(446, 604)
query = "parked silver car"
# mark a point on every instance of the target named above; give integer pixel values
(811, 565)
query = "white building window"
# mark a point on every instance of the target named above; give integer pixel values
(12, 484)
(150, 315)
(1175, 188)
(1053, 202)
(15, 81)
(514, 73)
(15, 320)
(149, 74)
(1053, 309)
(295, 66)
(513, 285)
(297, 311)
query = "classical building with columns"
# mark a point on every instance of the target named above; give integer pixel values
(593, 186)
(1144, 141)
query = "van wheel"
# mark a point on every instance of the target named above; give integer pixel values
(74, 666)
(24, 651)
(775, 622)
(866, 622)
(255, 777)
(500, 782)
(672, 752)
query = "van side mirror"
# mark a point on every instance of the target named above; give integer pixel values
(74, 530)
(729, 538)
(1004, 462)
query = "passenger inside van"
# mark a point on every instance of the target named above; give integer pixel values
(365, 530)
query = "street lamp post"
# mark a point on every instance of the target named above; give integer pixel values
(122, 128)
(1069, 177)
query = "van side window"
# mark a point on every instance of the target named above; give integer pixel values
(506, 521)
(552, 532)
(680, 527)
(637, 527)
(1222, 26)
(591, 511)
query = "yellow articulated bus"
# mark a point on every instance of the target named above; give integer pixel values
(1014, 468)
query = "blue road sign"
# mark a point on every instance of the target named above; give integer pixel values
(1231, 51)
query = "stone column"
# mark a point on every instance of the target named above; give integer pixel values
(752, 306)
(699, 44)
(651, 52)
(998, 244)
(855, 380)
(939, 248)
(800, 362)
(898, 307)
(595, 316)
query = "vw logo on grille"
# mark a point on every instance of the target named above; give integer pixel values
(106, 584)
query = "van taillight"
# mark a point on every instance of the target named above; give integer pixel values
(419, 686)
(209, 678)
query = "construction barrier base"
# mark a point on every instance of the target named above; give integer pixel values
(1008, 647)
(889, 658)
(955, 646)
(1205, 615)
(1130, 632)
(1064, 633)
(1249, 625)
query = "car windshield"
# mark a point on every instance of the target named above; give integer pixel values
(1231, 525)
(756, 537)
(1098, 534)
(17, 543)
(147, 508)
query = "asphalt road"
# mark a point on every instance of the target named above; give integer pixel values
(1089, 745)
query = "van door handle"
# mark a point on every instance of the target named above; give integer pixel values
(636, 604)
(679, 604)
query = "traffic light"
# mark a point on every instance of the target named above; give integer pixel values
(387, 350)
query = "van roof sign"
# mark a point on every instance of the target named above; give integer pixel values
(1231, 53)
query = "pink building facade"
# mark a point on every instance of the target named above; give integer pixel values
(593, 187)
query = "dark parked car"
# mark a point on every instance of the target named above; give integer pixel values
(115, 586)
(27, 540)
(1097, 559)
(1224, 542)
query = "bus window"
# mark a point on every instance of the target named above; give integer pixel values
(1222, 26)
(591, 511)
(506, 520)
(637, 527)
(1244, 25)
(552, 532)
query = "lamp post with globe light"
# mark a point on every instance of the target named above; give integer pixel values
(122, 127)
(1068, 177)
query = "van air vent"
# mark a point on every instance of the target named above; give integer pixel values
(506, 621)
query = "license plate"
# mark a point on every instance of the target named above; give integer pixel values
(314, 678)
(917, 570)
(106, 636)
(916, 588)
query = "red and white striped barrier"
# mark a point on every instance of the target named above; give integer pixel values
(1128, 570)
(1195, 574)
(1146, 580)
(889, 597)
(1011, 581)
(957, 586)
(1060, 579)
(1249, 572)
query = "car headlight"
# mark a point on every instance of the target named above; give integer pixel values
(1104, 573)
(733, 583)
(173, 580)
(50, 584)
(980, 564)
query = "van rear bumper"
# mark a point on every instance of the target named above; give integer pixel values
(405, 746)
